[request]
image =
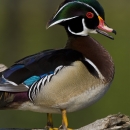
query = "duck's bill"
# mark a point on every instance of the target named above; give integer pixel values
(102, 28)
(105, 34)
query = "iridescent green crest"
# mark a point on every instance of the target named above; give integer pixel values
(70, 9)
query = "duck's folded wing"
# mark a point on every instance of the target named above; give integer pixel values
(25, 72)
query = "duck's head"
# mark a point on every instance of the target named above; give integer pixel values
(80, 17)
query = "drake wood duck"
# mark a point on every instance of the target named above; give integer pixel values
(64, 80)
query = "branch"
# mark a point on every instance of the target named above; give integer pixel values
(111, 122)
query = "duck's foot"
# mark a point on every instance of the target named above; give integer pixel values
(62, 128)
(50, 122)
(50, 128)
(64, 125)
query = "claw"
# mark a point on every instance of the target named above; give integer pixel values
(61, 128)
(50, 128)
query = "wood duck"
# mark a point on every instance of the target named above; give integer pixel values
(67, 79)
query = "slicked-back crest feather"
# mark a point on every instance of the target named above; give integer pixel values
(70, 9)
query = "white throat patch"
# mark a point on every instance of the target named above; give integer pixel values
(85, 30)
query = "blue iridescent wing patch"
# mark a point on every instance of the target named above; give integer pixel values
(33, 79)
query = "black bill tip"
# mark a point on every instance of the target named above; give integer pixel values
(114, 32)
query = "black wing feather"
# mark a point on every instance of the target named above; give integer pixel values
(41, 63)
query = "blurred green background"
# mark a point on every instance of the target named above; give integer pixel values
(23, 32)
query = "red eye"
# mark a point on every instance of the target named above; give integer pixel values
(90, 15)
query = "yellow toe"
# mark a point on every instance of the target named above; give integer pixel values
(49, 128)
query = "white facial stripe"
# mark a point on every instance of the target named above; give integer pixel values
(95, 67)
(61, 20)
(85, 30)
(79, 3)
